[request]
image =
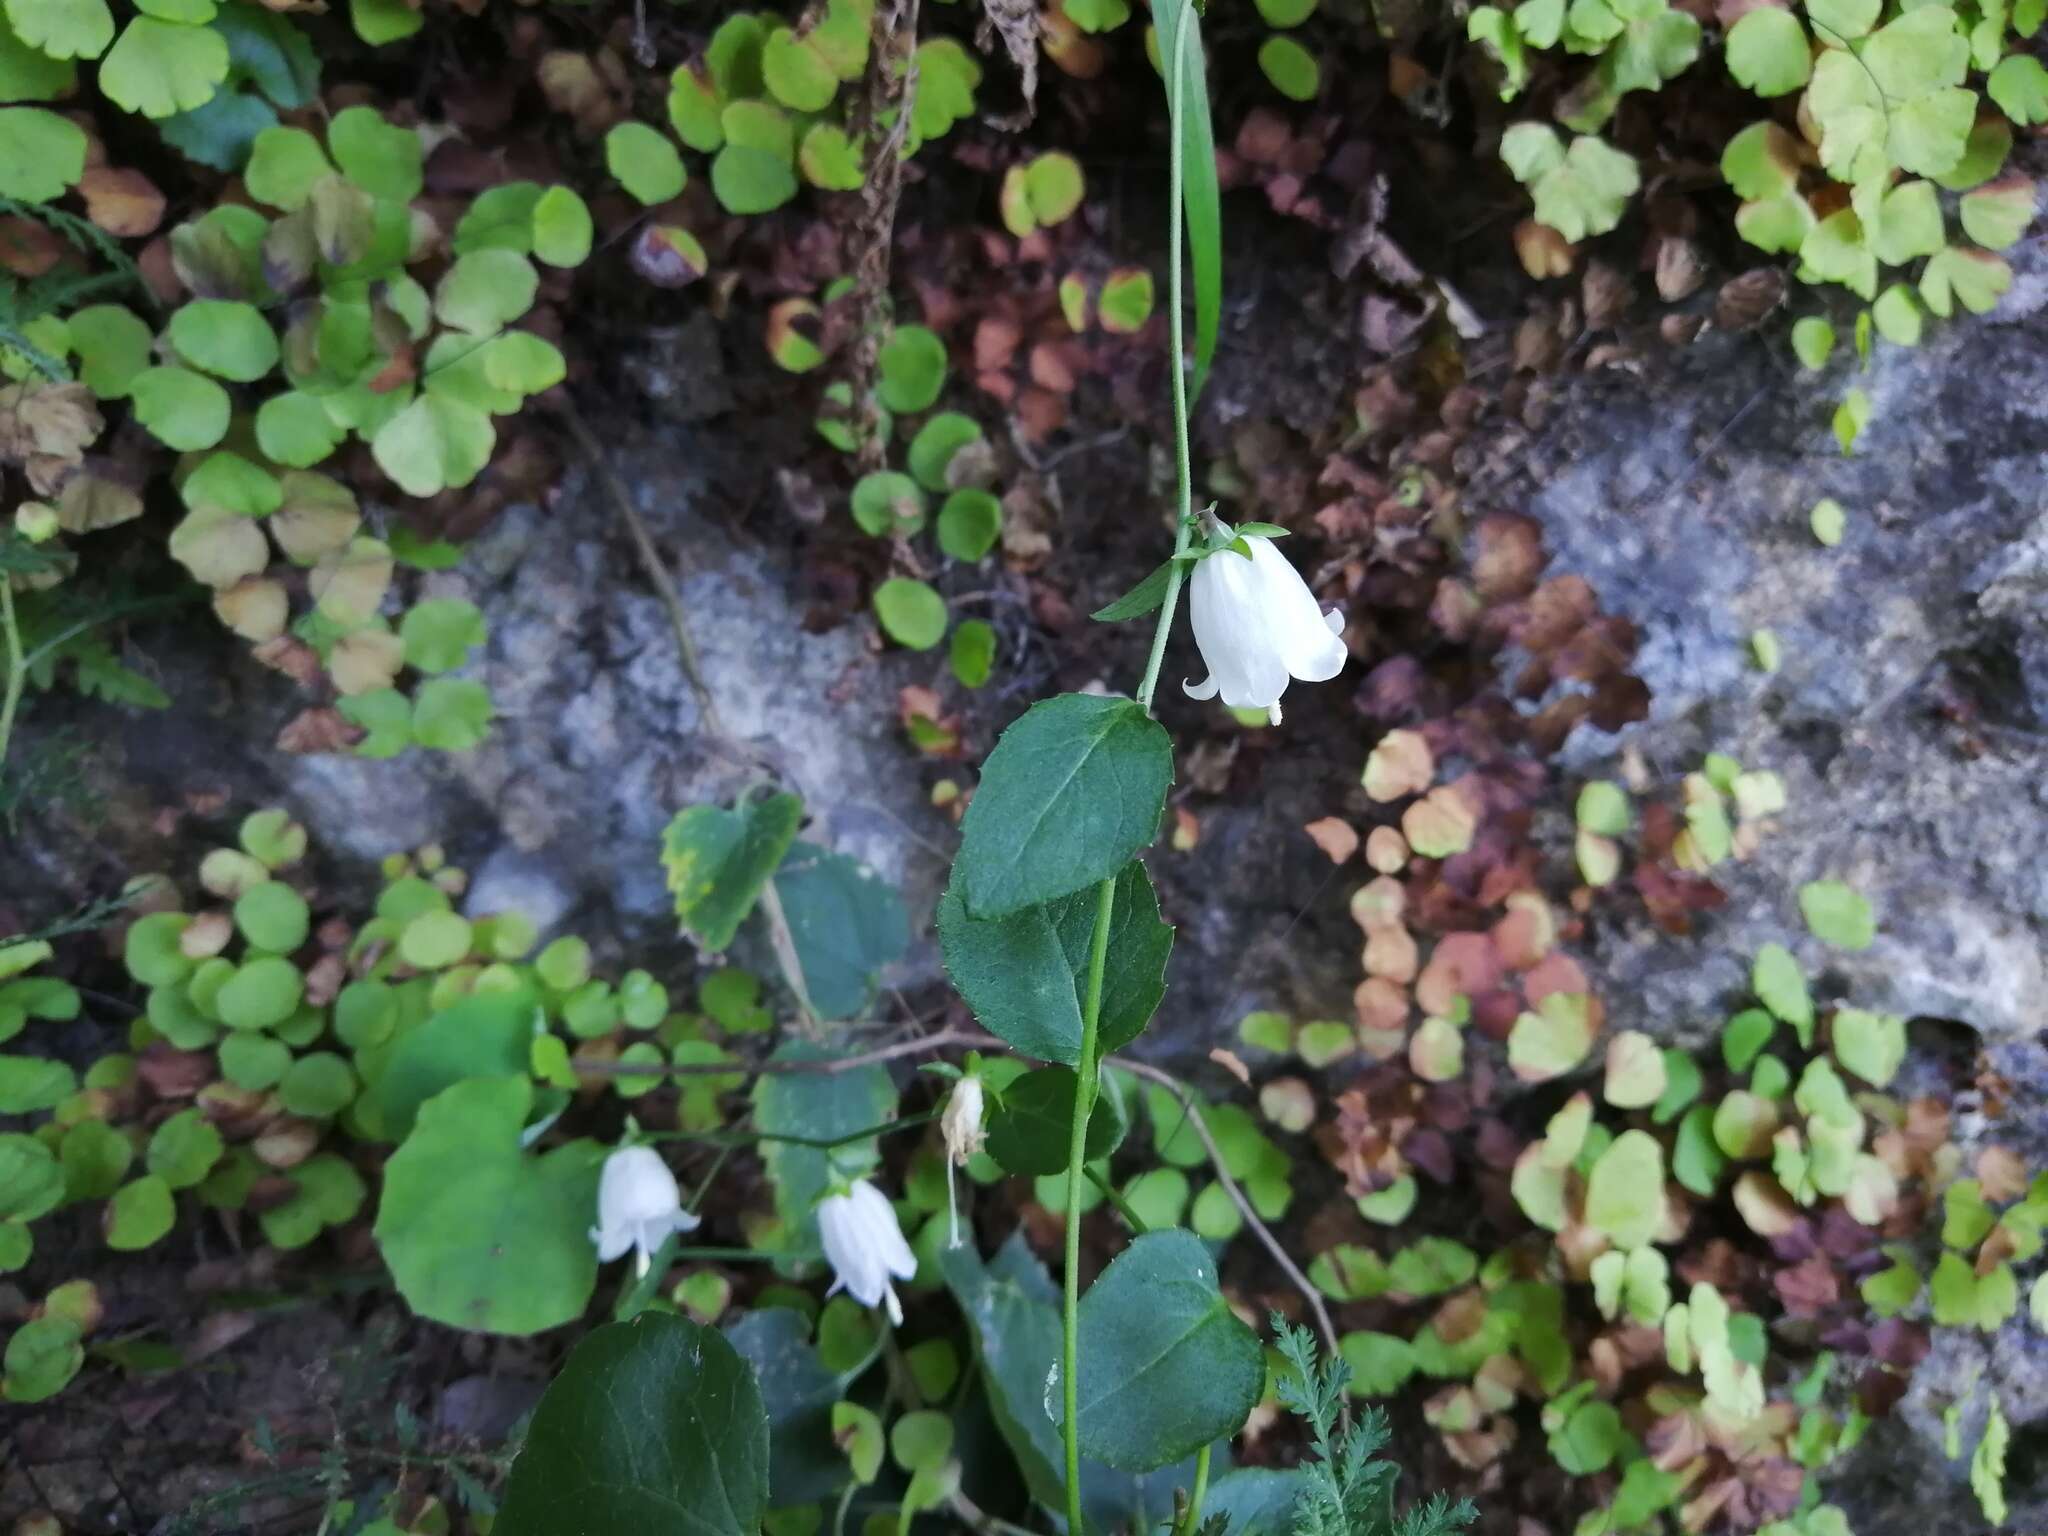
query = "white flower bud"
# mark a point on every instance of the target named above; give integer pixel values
(865, 1246)
(1258, 625)
(638, 1205)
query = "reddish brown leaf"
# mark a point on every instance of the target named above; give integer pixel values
(124, 203)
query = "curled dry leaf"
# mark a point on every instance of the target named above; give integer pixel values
(1440, 824)
(1463, 965)
(1232, 1063)
(28, 248)
(1386, 850)
(1379, 904)
(1289, 1103)
(206, 935)
(1544, 252)
(1528, 931)
(2001, 1173)
(1680, 268)
(124, 203)
(671, 257)
(1335, 836)
(255, 608)
(45, 428)
(573, 86)
(1400, 766)
(1390, 953)
(366, 660)
(318, 730)
(287, 1143)
(1745, 302)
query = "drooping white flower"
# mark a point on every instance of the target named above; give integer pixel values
(1258, 626)
(865, 1246)
(961, 1124)
(638, 1205)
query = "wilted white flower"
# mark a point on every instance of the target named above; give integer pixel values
(962, 1126)
(638, 1205)
(865, 1246)
(962, 1120)
(1258, 625)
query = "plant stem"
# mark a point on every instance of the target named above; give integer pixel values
(1087, 1069)
(1252, 1220)
(1193, 1522)
(1085, 1082)
(1123, 1207)
(1183, 523)
(17, 670)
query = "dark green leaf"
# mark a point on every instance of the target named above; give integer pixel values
(1140, 600)
(271, 53)
(1031, 1126)
(804, 1463)
(819, 1106)
(1026, 975)
(1071, 792)
(221, 133)
(653, 1425)
(848, 925)
(1012, 1307)
(1166, 1366)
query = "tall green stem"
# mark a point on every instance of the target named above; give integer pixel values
(1087, 1069)
(1184, 521)
(1085, 1074)
(1193, 1522)
(17, 670)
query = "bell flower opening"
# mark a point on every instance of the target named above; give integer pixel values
(638, 1205)
(865, 1246)
(1258, 627)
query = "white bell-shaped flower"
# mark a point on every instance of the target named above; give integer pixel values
(961, 1124)
(1258, 626)
(865, 1246)
(638, 1205)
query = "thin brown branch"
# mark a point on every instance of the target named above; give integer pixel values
(783, 942)
(651, 562)
(922, 1045)
(1264, 1233)
(977, 1519)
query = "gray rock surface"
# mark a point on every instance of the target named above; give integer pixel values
(1909, 716)
(1909, 720)
(599, 739)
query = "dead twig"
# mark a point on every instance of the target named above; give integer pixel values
(1301, 1282)
(882, 121)
(783, 942)
(651, 561)
(923, 1045)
